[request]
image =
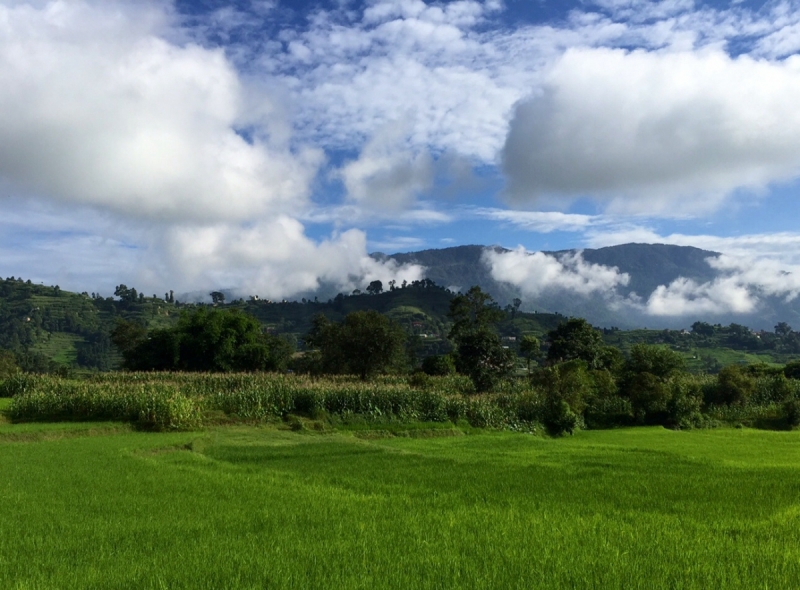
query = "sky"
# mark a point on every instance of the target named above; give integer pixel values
(267, 147)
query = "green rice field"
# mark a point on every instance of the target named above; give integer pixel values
(99, 505)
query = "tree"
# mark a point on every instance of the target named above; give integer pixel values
(529, 347)
(364, 343)
(783, 329)
(217, 297)
(439, 364)
(659, 361)
(126, 294)
(645, 377)
(702, 329)
(375, 287)
(127, 336)
(474, 311)
(734, 386)
(8, 364)
(216, 340)
(576, 339)
(479, 352)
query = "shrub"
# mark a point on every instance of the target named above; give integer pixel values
(559, 418)
(734, 386)
(569, 382)
(774, 389)
(791, 411)
(792, 370)
(684, 407)
(439, 365)
(649, 398)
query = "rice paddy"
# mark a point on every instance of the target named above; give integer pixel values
(100, 505)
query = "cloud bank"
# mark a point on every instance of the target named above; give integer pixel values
(202, 148)
(107, 106)
(537, 272)
(741, 287)
(652, 131)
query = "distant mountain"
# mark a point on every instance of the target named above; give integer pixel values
(651, 265)
(648, 265)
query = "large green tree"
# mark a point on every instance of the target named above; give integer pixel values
(479, 352)
(205, 340)
(576, 339)
(364, 343)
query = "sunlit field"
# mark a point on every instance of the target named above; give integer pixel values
(98, 505)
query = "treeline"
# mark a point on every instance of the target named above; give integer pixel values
(571, 380)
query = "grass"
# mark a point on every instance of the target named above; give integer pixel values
(725, 357)
(266, 507)
(60, 347)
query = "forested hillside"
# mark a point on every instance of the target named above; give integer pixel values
(648, 266)
(47, 328)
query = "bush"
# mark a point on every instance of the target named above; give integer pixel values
(608, 412)
(684, 408)
(734, 386)
(792, 370)
(8, 365)
(791, 411)
(774, 389)
(559, 418)
(439, 365)
(569, 382)
(649, 398)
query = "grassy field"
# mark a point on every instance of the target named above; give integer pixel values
(97, 505)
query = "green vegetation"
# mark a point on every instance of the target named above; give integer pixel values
(365, 343)
(203, 340)
(96, 505)
(479, 350)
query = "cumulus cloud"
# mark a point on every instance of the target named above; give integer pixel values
(160, 162)
(98, 107)
(654, 130)
(537, 272)
(276, 259)
(740, 288)
(192, 132)
(388, 175)
(742, 285)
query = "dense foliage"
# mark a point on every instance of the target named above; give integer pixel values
(203, 340)
(479, 351)
(365, 343)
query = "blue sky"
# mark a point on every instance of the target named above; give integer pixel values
(267, 147)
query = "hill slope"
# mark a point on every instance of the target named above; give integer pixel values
(648, 266)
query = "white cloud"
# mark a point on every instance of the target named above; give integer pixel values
(540, 221)
(740, 288)
(275, 259)
(352, 215)
(98, 108)
(780, 247)
(388, 175)
(130, 133)
(655, 131)
(538, 272)
(684, 297)
(110, 110)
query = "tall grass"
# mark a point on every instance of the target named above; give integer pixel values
(175, 401)
(179, 401)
